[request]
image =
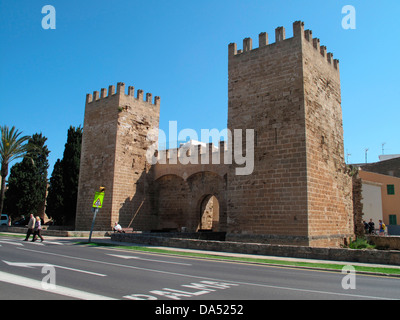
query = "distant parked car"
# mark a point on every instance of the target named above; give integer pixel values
(21, 222)
(4, 220)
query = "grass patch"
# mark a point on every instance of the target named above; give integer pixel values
(326, 266)
(12, 235)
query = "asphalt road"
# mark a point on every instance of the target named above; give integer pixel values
(61, 269)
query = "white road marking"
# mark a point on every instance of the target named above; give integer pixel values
(139, 258)
(11, 242)
(214, 279)
(54, 242)
(38, 285)
(32, 265)
(36, 243)
(14, 242)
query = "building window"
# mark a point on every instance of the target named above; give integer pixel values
(390, 189)
(393, 220)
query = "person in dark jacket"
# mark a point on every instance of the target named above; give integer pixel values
(371, 226)
(31, 227)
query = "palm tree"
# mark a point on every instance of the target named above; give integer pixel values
(12, 147)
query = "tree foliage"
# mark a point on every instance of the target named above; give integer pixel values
(55, 196)
(12, 147)
(27, 183)
(63, 189)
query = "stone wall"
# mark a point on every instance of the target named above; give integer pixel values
(391, 243)
(305, 252)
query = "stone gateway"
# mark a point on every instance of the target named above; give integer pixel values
(299, 192)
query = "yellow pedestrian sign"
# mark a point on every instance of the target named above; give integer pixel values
(97, 204)
(98, 200)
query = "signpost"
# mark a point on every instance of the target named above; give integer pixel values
(97, 205)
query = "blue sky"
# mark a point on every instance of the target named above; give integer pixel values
(178, 50)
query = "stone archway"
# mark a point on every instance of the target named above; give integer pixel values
(179, 204)
(209, 214)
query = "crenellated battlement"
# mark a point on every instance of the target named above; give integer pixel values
(104, 94)
(196, 154)
(280, 35)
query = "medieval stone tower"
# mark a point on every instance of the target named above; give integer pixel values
(289, 93)
(114, 145)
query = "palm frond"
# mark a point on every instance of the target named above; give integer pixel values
(12, 145)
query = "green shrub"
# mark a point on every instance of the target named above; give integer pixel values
(360, 243)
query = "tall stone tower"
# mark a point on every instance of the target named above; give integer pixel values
(114, 145)
(289, 93)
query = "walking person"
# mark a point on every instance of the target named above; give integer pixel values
(38, 230)
(366, 227)
(31, 227)
(371, 226)
(382, 228)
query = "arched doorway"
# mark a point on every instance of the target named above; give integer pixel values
(209, 214)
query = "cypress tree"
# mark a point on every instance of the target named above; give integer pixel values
(70, 167)
(55, 197)
(63, 189)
